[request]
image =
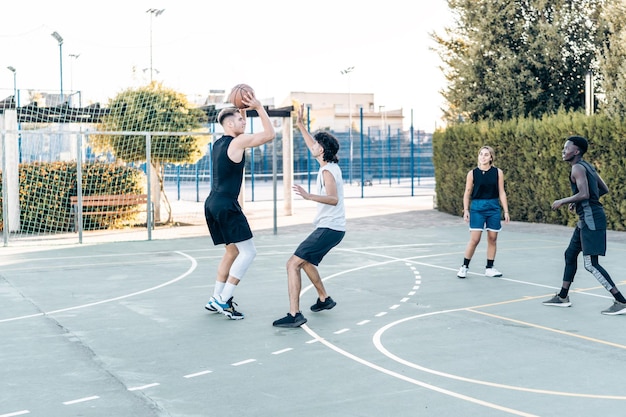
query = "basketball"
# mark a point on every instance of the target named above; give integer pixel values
(236, 94)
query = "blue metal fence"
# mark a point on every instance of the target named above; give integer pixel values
(379, 158)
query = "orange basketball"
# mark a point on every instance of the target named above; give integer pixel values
(236, 94)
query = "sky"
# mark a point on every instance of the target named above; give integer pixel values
(276, 46)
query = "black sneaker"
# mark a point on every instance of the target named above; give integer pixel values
(327, 304)
(290, 321)
(230, 311)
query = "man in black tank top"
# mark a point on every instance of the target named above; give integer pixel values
(226, 221)
(589, 236)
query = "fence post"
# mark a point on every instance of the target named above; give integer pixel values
(149, 180)
(78, 215)
(5, 193)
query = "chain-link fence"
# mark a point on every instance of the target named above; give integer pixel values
(47, 176)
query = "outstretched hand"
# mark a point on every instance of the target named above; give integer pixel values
(301, 192)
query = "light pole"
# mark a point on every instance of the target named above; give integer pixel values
(16, 101)
(153, 13)
(347, 72)
(14, 71)
(74, 58)
(59, 39)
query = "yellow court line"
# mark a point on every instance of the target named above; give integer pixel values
(550, 329)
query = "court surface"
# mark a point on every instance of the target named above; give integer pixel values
(120, 329)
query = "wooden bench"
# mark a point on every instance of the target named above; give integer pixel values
(111, 204)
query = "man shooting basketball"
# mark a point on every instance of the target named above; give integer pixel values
(226, 221)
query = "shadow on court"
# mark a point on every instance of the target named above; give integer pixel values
(120, 329)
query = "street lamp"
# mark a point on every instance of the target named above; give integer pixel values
(14, 71)
(347, 72)
(59, 39)
(16, 101)
(74, 58)
(155, 13)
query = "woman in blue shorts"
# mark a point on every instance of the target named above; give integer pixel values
(484, 188)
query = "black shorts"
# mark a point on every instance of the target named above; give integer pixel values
(225, 219)
(318, 244)
(590, 242)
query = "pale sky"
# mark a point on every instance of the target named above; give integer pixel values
(276, 46)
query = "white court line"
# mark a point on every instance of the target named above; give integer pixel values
(142, 387)
(411, 380)
(193, 266)
(197, 374)
(81, 400)
(278, 352)
(392, 373)
(17, 413)
(384, 351)
(243, 362)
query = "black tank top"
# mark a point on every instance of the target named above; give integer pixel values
(227, 175)
(485, 184)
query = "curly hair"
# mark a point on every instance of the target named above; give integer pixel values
(330, 145)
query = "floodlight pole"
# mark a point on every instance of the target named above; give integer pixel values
(14, 71)
(153, 13)
(59, 39)
(74, 58)
(347, 72)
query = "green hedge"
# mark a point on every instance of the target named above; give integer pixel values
(529, 153)
(46, 188)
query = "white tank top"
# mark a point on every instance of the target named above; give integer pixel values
(332, 217)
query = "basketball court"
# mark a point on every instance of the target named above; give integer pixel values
(119, 329)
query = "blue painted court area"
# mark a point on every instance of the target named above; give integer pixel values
(120, 329)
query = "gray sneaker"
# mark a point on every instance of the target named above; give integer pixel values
(615, 309)
(558, 301)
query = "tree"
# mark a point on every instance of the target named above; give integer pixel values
(152, 108)
(504, 60)
(613, 60)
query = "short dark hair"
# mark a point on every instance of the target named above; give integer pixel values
(330, 145)
(580, 142)
(226, 112)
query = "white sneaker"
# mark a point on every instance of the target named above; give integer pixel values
(462, 272)
(492, 272)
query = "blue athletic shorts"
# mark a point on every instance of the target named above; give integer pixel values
(485, 215)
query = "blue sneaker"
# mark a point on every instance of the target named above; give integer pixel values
(209, 306)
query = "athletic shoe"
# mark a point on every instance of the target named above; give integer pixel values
(290, 321)
(462, 271)
(615, 309)
(558, 301)
(327, 304)
(492, 272)
(209, 306)
(227, 308)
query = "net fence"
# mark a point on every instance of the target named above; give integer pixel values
(144, 162)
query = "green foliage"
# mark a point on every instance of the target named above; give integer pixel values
(520, 58)
(152, 108)
(46, 188)
(529, 152)
(613, 60)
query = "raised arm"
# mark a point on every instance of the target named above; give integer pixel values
(308, 138)
(251, 140)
